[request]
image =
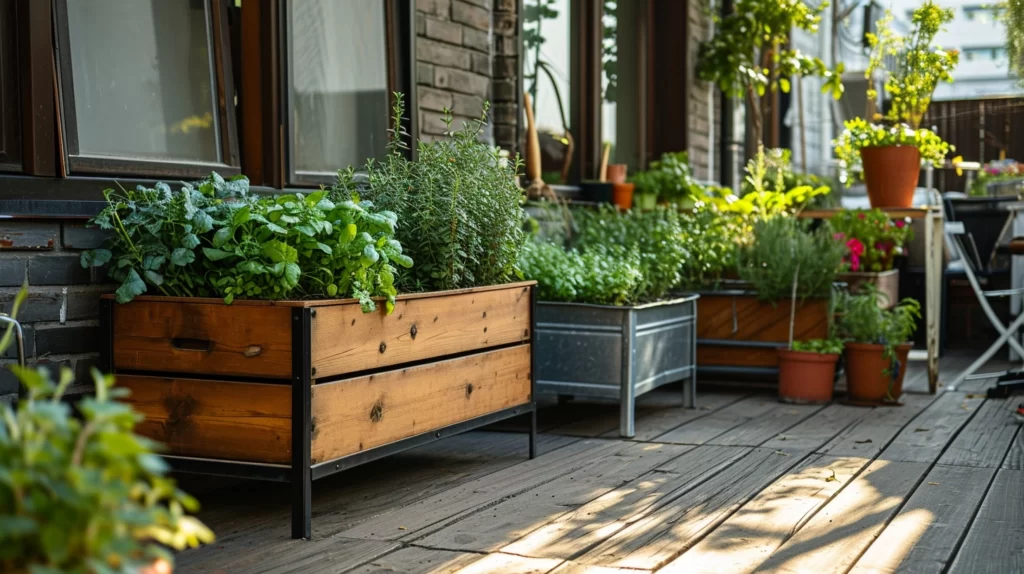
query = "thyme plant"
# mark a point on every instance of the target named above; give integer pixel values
(459, 204)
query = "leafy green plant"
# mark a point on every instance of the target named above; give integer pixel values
(711, 238)
(872, 238)
(784, 248)
(655, 236)
(1012, 16)
(820, 346)
(861, 320)
(214, 238)
(860, 134)
(596, 275)
(751, 55)
(459, 205)
(670, 178)
(84, 494)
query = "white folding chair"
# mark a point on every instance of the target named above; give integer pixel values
(973, 263)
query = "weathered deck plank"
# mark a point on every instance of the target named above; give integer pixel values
(828, 422)
(741, 543)
(771, 424)
(834, 538)
(583, 528)
(706, 429)
(868, 436)
(324, 555)
(985, 440)
(925, 438)
(660, 536)
(995, 541)
(511, 519)
(923, 536)
(1015, 457)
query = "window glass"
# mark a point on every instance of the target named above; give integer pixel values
(620, 80)
(338, 68)
(547, 69)
(143, 79)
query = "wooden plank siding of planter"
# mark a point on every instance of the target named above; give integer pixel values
(743, 318)
(215, 381)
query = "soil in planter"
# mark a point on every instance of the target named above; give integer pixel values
(867, 377)
(806, 378)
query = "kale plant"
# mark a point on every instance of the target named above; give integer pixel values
(459, 204)
(214, 238)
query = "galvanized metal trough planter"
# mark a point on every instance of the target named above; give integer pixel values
(604, 351)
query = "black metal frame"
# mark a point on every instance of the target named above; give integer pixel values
(301, 472)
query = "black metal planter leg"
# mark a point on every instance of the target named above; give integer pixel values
(302, 478)
(533, 433)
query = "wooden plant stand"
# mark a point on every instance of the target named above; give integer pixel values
(293, 391)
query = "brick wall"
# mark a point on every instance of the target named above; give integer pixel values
(698, 106)
(59, 316)
(467, 53)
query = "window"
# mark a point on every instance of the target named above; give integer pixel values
(10, 111)
(621, 51)
(338, 85)
(547, 77)
(141, 87)
(982, 14)
(985, 54)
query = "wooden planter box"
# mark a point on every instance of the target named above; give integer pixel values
(293, 391)
(887, 282)
(618, 353)
(737, 334)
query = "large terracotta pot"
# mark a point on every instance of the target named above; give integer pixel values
(622, 195)
(890, 174)
(806, 378)
(867, 381)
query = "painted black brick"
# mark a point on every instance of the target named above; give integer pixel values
(12, 272)
(30, 346)
(63, 340)
(57, 270)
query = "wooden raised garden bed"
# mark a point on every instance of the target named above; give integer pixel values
(293, 391)
(737, 334)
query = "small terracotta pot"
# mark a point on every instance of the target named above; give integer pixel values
(646, 201)
(622, 195)
(806, 378)
(867, 381)
(616, 173)
(890, 174)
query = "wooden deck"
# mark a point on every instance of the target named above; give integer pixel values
(741, 484)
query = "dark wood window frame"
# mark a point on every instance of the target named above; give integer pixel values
(10, 106)
(77, 163)
(51, 182)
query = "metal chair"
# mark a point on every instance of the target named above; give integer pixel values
(977, 262)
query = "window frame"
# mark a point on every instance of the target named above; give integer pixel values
(10, 101)
(400, 46)
(77, 163)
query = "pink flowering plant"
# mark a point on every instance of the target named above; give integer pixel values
(872, 238)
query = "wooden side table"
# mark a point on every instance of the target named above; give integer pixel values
(934, 246)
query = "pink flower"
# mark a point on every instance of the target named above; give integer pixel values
(900, 223)
(861, 215)
(856, 250)
(839, 236)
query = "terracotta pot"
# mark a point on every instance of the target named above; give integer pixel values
(622, 195)
(806, 378)
(616, 173)
(890, 174)
(866, 379)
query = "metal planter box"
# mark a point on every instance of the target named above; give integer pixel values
(617, 352)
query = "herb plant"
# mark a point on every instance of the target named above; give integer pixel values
(873, 240)
(656, 237)
(459, 205)
(670, 178)
(784, 248)
(84, 494)
(214, 238)
(596, 275)
(861, 320)
(820, 346)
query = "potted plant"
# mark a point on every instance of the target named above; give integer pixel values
(740, 329)
(890, 149)
(670, 179)
(807, 371)
(607, 325)
(645, 190)
(877, 346)
(84, 493)
(873, 240)
(278, 346)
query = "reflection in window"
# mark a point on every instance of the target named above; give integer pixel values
(143, 78)
(620, 42)
(337, 58)
(546, 39)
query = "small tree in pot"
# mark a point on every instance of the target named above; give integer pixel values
(877, 346)
(891, 147)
